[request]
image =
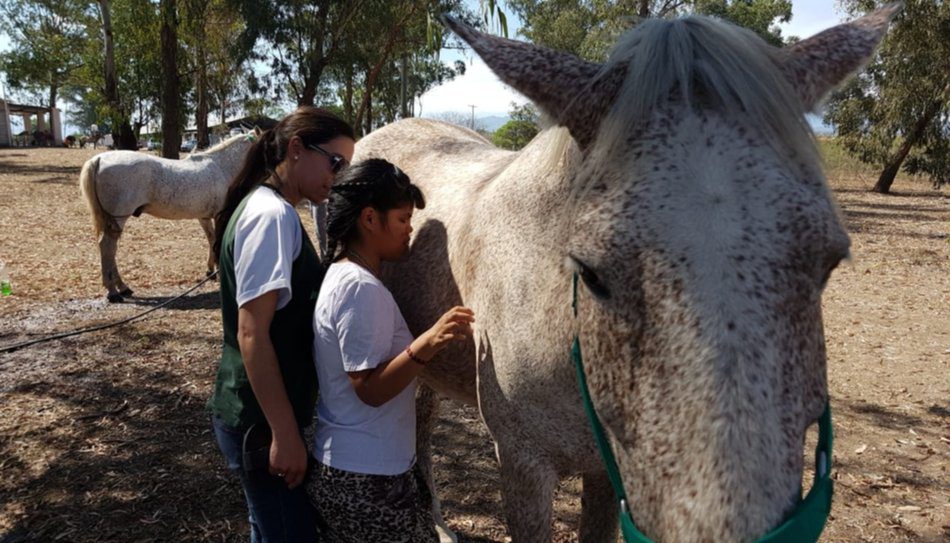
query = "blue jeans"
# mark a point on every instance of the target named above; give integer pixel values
(277, 514)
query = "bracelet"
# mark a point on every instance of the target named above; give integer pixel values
(413, 357)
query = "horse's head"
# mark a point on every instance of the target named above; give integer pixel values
(704, 233)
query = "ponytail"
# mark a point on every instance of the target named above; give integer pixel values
(312, 125)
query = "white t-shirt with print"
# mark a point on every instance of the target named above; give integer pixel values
(267, 239)
(357, 326)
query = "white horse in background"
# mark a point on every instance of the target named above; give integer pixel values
(122, 184)
(684, 187)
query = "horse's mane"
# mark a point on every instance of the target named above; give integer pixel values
(220, 145)
(710, 65)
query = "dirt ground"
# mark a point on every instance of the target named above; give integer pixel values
(103, 436)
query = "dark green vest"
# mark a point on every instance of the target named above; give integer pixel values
(291, 332)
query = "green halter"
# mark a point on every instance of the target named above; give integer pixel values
(804, 524)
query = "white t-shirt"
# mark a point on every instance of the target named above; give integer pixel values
(357, 326)
(267, 239)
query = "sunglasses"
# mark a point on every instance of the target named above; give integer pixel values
(337, 162)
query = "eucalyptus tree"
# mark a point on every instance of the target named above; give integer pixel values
(209, 38)
(896, 114)
(47, 40)
(588, 28)
(296, 39)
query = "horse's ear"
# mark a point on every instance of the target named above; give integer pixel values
(817, 65)
(551, 79)
(258, 131)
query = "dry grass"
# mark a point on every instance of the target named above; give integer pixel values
(103, 436)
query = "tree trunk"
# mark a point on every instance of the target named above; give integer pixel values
(403, 88)
(111, 90)
(119, 117)
(312, 81)
(201, 112)
(368, 102)
(893, 165)
(171, 126)
(365, 106)
(644, 9)
(53, 92)
(348, 95)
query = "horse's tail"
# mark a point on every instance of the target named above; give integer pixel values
(87, 186)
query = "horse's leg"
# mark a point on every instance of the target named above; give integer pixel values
(208, 226)
(527, 491)
(599, 509)
(108, 243)
(427, 407)
(124, 289)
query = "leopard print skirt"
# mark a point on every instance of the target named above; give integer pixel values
(361, 508)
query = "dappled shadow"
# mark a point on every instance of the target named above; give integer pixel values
(939, 411)
(881, 416)
(205, 300)
(58, 180)
(887, 217)
(934, 193)
(125, 455)
(18, 168)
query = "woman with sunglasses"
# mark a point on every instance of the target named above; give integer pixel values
(364, 484)
(266, 386)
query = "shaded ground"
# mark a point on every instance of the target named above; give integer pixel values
(103, 436)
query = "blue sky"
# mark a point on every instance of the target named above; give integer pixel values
(481, 88)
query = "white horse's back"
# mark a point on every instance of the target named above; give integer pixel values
(120, 184)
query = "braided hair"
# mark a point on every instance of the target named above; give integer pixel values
(375, 183)
(311, 124)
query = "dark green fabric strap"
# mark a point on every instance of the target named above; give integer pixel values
(806, 522)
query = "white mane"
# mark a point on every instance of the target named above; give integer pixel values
(706, 64)
(220, 145)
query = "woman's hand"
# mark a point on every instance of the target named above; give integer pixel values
(454, 325)
(288, 459)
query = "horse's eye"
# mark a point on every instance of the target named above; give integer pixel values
(590, 279)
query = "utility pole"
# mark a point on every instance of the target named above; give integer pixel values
(473, 115)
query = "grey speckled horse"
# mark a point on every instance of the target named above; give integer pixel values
(683, 184)
(122, 184)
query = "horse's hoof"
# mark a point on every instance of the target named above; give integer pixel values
(126, 292)
(210, 273)
(116, 298)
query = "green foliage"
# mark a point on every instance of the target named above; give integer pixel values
(45, 38)
(520, 130)
(895, 113)
(135, 28)
(759, 15)
(589, 28)
(527, 112)
(514, 134)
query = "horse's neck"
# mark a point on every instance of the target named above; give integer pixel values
(229, 158)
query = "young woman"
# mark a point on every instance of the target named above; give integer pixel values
(266, 386)
(367, 362)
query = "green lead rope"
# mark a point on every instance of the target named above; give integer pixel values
(806, 522)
